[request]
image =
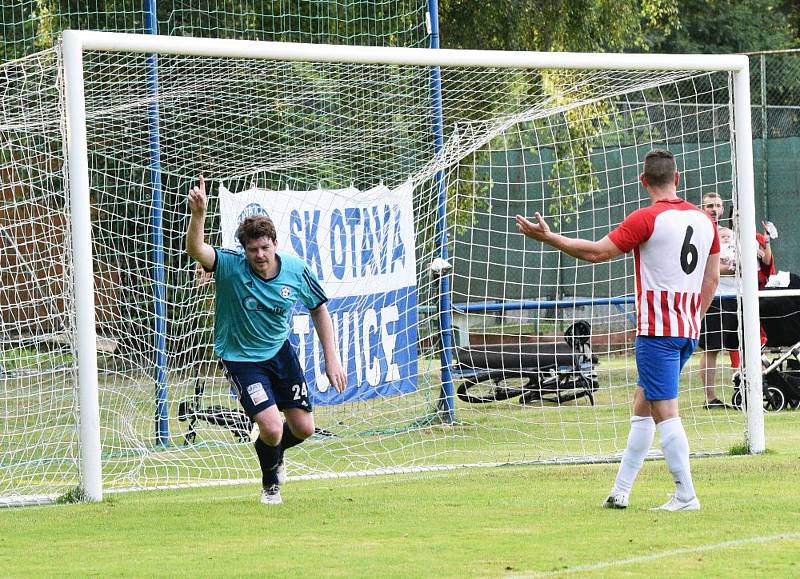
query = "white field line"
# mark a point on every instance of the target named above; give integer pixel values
(664, 554)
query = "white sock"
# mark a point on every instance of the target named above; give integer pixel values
(676, 452)
(640, 439)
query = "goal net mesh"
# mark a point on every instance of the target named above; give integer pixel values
(566, 143)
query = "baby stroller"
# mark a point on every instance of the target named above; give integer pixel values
(535, 372)
(189, 410)
(780, 356)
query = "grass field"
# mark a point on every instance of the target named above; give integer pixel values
(397, 432)
(489, 522)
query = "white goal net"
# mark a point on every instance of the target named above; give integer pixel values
(450, 323)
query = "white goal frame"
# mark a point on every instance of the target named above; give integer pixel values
(76, 42)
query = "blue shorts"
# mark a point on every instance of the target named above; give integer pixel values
(279, 380)
(660, 360)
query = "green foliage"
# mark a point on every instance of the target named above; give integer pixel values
(573, 180)
(739, 449)
(470, 199)
(583, 25)
(553, 25)
(74, 495)
(45, 31)
(743, 449)
(791, 11)
(545, 25)
(31, 25)
(725, 26)
(720, 26)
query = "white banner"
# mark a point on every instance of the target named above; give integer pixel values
(357, 242)
(361, 246)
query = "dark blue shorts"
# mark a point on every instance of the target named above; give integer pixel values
(660, 360)
(279, 380)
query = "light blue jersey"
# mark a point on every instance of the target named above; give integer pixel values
(252, 313)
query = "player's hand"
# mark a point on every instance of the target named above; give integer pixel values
(197, 198)
(538, 230)
(770, 231)
(336, 375)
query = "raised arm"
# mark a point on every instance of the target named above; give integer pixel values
(196, 245)
(710, 283)
(765, 251)
(333, 368)
(593, 251)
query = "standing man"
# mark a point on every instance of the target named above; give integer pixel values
(255, 292)
(676, 252)
(720, 327)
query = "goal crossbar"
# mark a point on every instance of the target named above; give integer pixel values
(329, 53)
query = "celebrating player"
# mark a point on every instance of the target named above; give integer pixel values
(255, 292)
(676, 251)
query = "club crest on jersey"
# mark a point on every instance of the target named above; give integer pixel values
(285, 292)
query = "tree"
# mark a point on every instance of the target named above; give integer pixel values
(726, 26)
(554, 25)
(791, 11)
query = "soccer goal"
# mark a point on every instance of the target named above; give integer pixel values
(395, 174)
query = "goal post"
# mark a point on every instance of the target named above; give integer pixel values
(334, 133)
(744, 173)
(83, 275)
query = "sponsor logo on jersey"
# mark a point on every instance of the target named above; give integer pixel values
(251, 304)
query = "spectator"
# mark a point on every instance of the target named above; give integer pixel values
(720, 327)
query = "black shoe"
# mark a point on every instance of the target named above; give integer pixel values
(716, 403)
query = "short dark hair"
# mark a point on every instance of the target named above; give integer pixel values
(256, 227)
(659, 167)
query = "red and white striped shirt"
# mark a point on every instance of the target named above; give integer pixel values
(671, 241)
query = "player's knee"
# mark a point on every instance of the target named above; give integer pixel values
(303, 430)
(270, 431)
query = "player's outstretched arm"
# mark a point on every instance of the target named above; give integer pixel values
(196, 245)
(593, 251)
(333, 368)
